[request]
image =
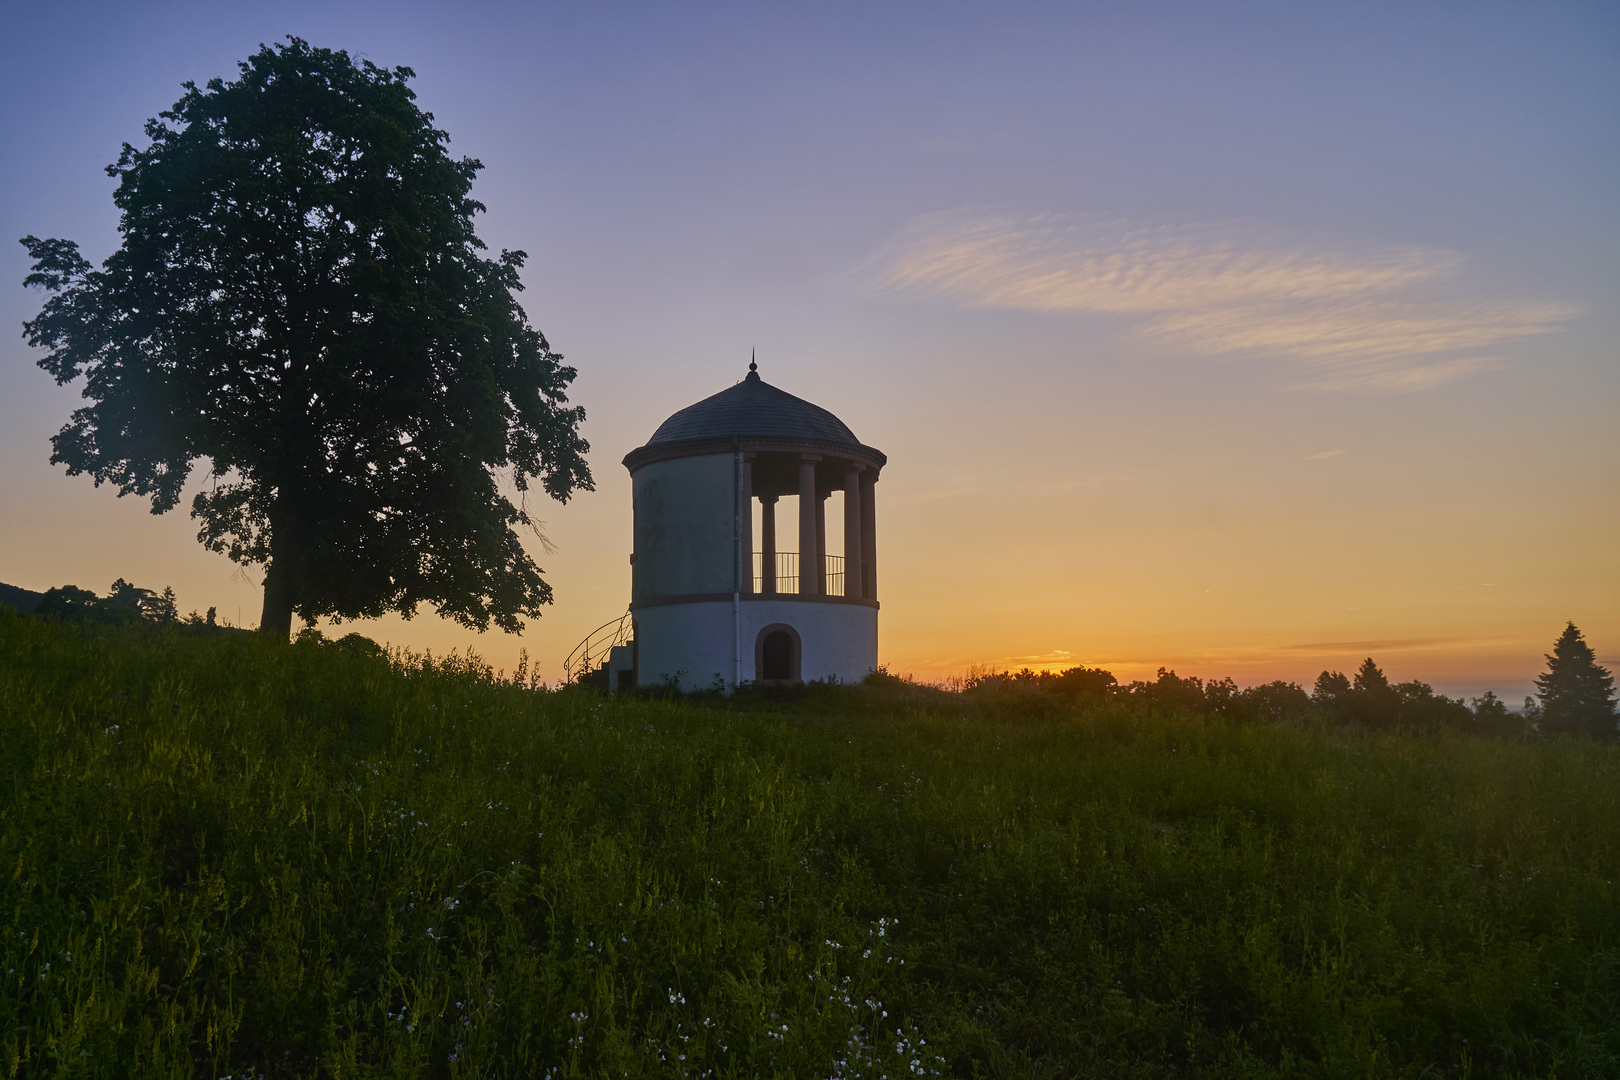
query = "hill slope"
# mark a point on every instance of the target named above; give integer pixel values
(227, 857)
(21, 599)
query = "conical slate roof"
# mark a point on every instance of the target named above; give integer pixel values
(754, 409)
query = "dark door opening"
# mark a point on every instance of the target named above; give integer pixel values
(778, 650)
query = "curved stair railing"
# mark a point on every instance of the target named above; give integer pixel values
(596, 645)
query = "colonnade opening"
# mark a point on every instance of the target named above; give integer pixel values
(835, 526)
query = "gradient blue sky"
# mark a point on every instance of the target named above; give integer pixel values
(1245, 338)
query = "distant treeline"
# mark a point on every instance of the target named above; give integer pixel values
(123, 604)
(130, 605)
(1576, 697)
(1369, 700)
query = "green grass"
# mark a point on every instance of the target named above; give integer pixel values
(222, 857)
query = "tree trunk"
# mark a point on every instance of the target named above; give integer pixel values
(278, 604)
(279, 575)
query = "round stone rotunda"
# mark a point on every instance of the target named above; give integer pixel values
(713, 604)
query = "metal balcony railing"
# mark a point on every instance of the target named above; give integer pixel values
(835, 575)
(787, 574)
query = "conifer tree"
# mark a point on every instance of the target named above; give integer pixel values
(1372, 701)
(1577, 695)
(1370, 678)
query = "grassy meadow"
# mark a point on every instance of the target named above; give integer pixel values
(224, 857)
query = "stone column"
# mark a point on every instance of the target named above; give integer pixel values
(767, 544)
(852, 530)
(869, 531)
(821, 542)
(809, 550)
(747, 525)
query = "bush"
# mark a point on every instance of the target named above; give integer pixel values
(1491, 718)
(123, 604)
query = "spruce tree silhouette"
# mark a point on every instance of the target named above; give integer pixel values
(299, 298)
(1577, 695)
(1372, 701)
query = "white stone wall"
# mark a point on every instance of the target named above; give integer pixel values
(685, 516)
(696, 640)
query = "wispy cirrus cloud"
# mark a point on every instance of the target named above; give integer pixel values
(1381, 645)
(1386, 318)
(1055, 656)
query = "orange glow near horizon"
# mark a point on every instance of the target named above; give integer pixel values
(1047, 572)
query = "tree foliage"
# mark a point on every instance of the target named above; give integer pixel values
(1408, 708)
(124, 603)
(1332, 688)
(300, 300)
(1577, 694)
(1491, 717)
(1372, 701)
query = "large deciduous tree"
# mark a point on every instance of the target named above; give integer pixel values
(1577, 694)
(300, 300)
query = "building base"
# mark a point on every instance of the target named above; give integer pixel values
(714, 644)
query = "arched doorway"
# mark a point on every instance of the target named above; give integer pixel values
(777, 652)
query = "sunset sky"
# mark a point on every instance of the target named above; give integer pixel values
(1243, 339)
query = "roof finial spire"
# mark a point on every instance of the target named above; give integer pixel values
(751, 365)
